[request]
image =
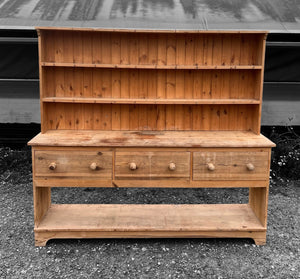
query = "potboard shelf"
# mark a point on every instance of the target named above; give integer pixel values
(154, 217)
(148, 101)
(153, 66)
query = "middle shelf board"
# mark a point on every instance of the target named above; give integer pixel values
(152, 66)
(145, 217)
(148, 101)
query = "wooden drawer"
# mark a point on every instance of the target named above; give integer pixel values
(73, 163)
(152, 165)
(231, 165)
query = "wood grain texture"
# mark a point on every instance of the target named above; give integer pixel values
(150, 108)
(151, 139)
(158, 217)
(73, 164)
(152, 165)
(230, 165)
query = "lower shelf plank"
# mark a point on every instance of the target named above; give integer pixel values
(148, 221)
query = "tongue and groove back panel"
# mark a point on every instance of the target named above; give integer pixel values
(151, 81)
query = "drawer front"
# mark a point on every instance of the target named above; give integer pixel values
(73, 163)
(152, 165)
(237, 165)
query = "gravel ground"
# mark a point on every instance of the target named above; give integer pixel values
(142, 258)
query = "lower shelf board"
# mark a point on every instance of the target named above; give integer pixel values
(140, 220)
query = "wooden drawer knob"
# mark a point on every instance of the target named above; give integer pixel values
(52, 166)
(93, 166)
(250, 167)
(132, 166)
(172, 166)
(210, 166)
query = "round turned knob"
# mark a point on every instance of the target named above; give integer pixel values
(172, 166)
(93, 166)
(250, 167)
(52, 166)
(210, 166)
(132, 166)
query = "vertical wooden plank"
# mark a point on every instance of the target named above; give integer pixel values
(234, 84)
(115, 48)
(143, 52)
(106, 76)
(87, 93)
(107, 116)
(188, 117)
(225, 87)
(124, 48)
(59, 121)
(226, 49)
(215, 113)
(170, 93)
(77, 47)
(188, 84)
(69, 92)
(97, 116)
(133, 117)
(161, 49)
(245, 49)
(216, 84)
(224, 118)
(189, 49)
(78, 92)
(59, 82)
(116, 93)
(199, 49)
(206, 118)
(198, 80)
(179, 92)
(208, 49)
(235, 50)
(207, 84)
(47, 45)
(125, 94)
(217, 50)
(161, 117)
(97, 83)
(133, 49)
(161, 84)
(143, 117)
(180, 49)
(171, 49)
(152, 84)
(258, 200)
(152, 114)
(87, 47)
(96, 48)
(232, 117)
(68, 46)
(143, 93)
(197, 117)
(59, 46)
(144, 76)
(106, 47)
(47, 82)
(152, 48)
